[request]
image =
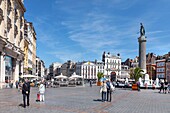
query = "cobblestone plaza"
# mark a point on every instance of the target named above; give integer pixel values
(86, 100)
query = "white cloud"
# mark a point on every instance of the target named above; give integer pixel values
(83, 29)
(63, 56)
(95, 31)
(117, 4)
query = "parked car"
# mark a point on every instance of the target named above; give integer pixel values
(120, 84)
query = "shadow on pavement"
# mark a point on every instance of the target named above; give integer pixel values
(21, 105)
(99, 100)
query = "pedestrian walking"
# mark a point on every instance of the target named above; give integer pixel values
(162, 86)
(42, 91)
(166, 86)
(90, 83)
(26, 92)
(16, 84)
(138, 85)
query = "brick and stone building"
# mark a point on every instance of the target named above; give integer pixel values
(168, 69)
(151, 65)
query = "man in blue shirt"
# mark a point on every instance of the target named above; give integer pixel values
(109, 92)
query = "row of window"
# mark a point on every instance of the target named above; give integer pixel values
(113, 61)
(160, 69)
(161, 75)
(161, 64)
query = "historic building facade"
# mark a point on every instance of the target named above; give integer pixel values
(30, 35)
(161, 68)
(11, 40)
(100, 67)
(168, 69)
(112, 63)
(151, 65)
(26, 44)
(56, 69)
(40, 67)
(68, 68)
(87, 70)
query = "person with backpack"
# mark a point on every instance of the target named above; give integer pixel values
(26, 92)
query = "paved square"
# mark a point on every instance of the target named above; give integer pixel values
(86, 100)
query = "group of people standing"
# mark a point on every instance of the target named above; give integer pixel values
(106, 90)
(26, 92)
(163, 86)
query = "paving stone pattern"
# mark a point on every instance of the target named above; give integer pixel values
(86, 100)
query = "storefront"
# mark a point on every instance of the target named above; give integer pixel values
(8, 69)
(11, 64)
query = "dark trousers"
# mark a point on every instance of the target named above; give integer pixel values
(162, 88)
(24, 98)
(90, 84)
(109, 95)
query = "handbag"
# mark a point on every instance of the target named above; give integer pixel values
(101, 90)
(112, 87)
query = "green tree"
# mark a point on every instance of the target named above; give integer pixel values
(137, 73)
(131, 73)
(100, 75)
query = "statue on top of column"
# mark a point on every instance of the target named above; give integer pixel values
(142, 30)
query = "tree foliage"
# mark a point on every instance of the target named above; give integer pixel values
(136, 73)
(100, 75)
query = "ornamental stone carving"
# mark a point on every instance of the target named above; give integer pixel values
(9, 8)
(16, 31)
(1, 15)
(16, 15)
(21, 37)
(21, 24)
(9, 25)
(8, 45)
(5, 33)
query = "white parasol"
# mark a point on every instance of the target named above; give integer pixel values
(75, 76)
(60, 76)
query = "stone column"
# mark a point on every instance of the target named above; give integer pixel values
(22, 67)
(2, 71)
(142, 53)
(16, 72)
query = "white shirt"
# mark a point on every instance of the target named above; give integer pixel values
(42, 88)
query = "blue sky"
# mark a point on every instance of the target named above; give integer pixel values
(80, 30)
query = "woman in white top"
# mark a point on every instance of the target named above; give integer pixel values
(104, 91)
(42, 91)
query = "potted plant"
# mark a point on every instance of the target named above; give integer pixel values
(136, 74)
(99, 76)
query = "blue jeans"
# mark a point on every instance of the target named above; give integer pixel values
(103, 96)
